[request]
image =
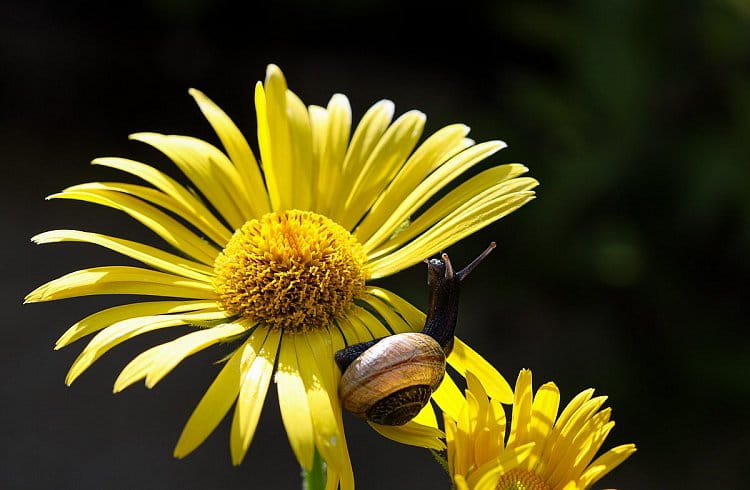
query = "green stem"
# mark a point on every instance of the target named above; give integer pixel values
(315, 479)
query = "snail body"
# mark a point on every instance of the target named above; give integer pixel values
(389, 380)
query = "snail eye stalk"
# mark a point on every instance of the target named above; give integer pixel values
(474, 263)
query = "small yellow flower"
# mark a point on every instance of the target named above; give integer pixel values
(277, 256)
(543, 451)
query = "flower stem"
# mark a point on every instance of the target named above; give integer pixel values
(315, 478)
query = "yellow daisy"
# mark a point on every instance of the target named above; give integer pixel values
(277, 256)
(543, 451)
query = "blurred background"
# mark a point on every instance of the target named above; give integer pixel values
(628, 274)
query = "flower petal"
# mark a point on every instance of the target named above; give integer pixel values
(369, 131)
(543, 414)
(488, 185)
(521, 418)
(382, 164)
(463, 359)
(295, 410)
(322, 396)
(146, 254)
(274, 138)
(438, 179)
(487, 476)
(104, 318)
(213, 406)
(186, 204)
(448, 231)
(160, 223)
(331, 128)
(579, 446)
(238, 150)
(121, 331)
(605, 463)
(439, 146)
(300, 140)
(254, 381)
(158, 361)
(449, 397)
(413, 434)
(209, 169)
(118, 279)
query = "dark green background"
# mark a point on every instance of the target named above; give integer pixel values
(629, 273)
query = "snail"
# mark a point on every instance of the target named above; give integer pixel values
(389, 380)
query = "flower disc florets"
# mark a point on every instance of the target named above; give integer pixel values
(517, 479)
(290, 269)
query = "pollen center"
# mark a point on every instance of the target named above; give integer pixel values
(521, 480)
(290, 269)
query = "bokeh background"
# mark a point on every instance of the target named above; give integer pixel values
(629, 273)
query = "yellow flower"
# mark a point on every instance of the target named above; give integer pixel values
(543, 451)
(277, 257)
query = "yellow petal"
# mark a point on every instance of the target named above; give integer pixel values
(101, 319)
(238, 150)
(439, 146)
(365, 138)
(543, 414)
(331, 129)
(274, 138)
(521, 418)
(496, 422)
(463, 358)
(209, 169)
(146, 254)
(157, 362)
(426, 416)
(392, 319)
(450, 440)
(186, 204)
(449, 397)
(213, 406)
(441, 177)
(410, 313)
(123, 330)
(329, 439)
(448, 231)
(605, 463)
(300, 140)
(576, 449)
(586, 450)
(465, 443)
(374, 325)
(354, 329)
(490, 184)
(413, 434)
(382, 164)
(487, 476)
(323, 343)
(567, 426)
(295, 411)
(170, 230)
(573, 406)
(461, 483)
(254, 383)
(120, 280)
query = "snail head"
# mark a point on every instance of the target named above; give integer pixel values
(440, 270)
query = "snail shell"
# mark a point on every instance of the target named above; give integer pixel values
(393, 380)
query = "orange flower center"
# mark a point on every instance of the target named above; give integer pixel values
(521, 480)
(290, 269)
